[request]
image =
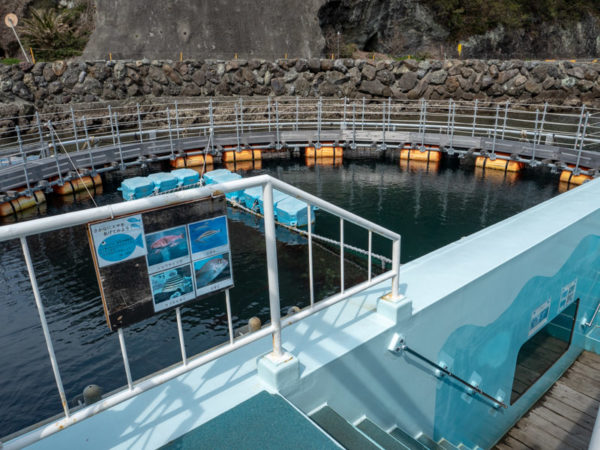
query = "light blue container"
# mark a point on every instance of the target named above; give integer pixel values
(293, 212)
(136, 187)
(163, 181)
(186, 177)
(251, 197)
(223, 176)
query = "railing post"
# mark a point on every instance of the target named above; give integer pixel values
(241, 115)
(474, 118)
(389, 119)
(278, 147)
(74, 129)
(112, 130)
(535, 138)
(125, 359)
(310, 256)
(89, 145)
(424, 114)
(229, 319)
(139, 117)
(269, 111)
(383, 123)
(51, 128)
(212, 126)
(353, 126)
(395, 267)
(495, 130)
(237, 130)
(343, 127)
(272, 271)
(170, 134)
(43, 148)
(297, 112)
(20, 141)
(369, 257)
(318, 124)
(181, 339)
(579, 127)
(122, 167)
(362, 121)
(505, 118)
(45, 330)
(177, 120)
(543, 121)
(342, 255)
(577, 171)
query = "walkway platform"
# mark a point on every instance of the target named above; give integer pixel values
(564, 417)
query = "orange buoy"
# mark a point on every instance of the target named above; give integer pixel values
(242, 155)
(567, 176)
(80, 196)
(244, 165)
(497, 176)
(415, 165)
(429, 154)
(21, 203)
(326, 151)
(78, 184)
(506, 165)
(191, 161)
(323, 161)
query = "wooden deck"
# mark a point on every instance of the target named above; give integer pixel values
(564, 418)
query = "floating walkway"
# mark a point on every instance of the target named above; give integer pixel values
(564, 417)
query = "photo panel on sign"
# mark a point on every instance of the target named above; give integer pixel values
(167, 249)
(213, 273)
(209, 237)
(172, 287)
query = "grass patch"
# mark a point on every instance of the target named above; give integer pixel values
(10, 61)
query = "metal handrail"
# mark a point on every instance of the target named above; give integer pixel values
(268, 183)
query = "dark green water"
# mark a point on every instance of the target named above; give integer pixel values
(429, 208)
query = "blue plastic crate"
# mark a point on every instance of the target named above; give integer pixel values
(186, 177)
(251, 197)
(136, 187)
(293, 212)
(163, 181)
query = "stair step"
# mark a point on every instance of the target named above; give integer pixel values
(407, 439)
(339, 429)
(443, 443)
(428, 442)
(380, 436)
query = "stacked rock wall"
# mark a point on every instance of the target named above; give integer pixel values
(26, 87)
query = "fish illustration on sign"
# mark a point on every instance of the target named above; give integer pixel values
(206, 235)
(210, 270)
(134, 222)
(119, 247)
(171, 240)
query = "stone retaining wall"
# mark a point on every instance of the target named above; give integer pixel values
(26, 87)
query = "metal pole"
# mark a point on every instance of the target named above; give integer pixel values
(395, 267)
(176, 120)
(229, 320)
(449, 114)
(269, 111)
(452, 124)
(212, 126)
(181, 339)
(363, 115)
(369, 269)
(20, 141)
(297, 113)
(344, 117)
(579, 127)
(139, 117)
(341, 255)
(89, 145)
(505, 117)
(51, 128)
(543, 121)
(383, 124)
(74, 129)
(272, 273)
(19, 41)
(170, 134)
(474, 118)
(310, 256)
(241, 115)
(389, 113)
(424, 110)
(319, 124)
(277, 122)
(44, 323)
(125, 359)
(577, 171)
(495, 130)
(353, 125)
(112, 130)
(119, 141)
(237, 130)
(43, 149)
(535, 136)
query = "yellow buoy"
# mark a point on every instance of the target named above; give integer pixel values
(326, 151)
(414, 165)
(326, 161)
(566, 176)
(242, 155)
(505, 165)
(78, 184)
(191, 161)
(244, 165)
(21, 203)
(430, 154)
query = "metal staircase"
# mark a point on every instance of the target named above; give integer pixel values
(365, 434)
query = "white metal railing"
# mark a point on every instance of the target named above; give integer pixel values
(268, 183)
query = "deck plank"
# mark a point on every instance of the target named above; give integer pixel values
(564, 417)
